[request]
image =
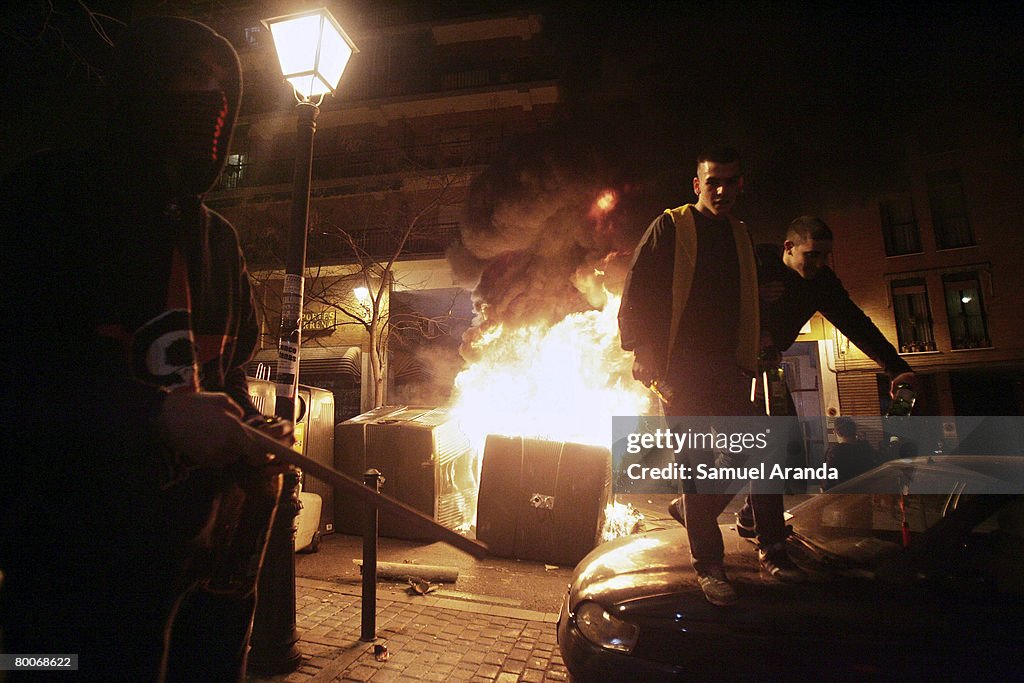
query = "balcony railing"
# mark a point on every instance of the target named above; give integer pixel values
(429, 239)
(354, 164)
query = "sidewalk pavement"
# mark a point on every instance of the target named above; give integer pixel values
(456, 637)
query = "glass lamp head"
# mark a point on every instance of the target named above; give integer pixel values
(313, 51)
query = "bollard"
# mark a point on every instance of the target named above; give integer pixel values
(374, 480)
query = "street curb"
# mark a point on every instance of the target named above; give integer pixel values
(475, 604)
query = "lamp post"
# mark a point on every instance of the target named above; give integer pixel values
(313, 51)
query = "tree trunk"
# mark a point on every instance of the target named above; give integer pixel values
(376, 367)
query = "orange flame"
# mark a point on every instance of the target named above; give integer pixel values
(562, 382)
(621, 519)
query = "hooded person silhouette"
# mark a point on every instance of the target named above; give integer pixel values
(131, 319)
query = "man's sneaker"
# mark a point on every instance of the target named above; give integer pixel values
(775, 560)
(675, 510)
(716, 587)
(745, 528)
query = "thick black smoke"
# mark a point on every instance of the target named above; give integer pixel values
(530, 226)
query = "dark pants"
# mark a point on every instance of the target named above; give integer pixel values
(715, 388)
(96, 579)
(766, 513)
(210, 638)
(764, 508)
(119, 631)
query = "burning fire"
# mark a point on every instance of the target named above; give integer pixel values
(557, 382)
(621, 520)
(562, 382)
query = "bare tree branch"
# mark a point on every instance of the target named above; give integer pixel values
(364, 244)
(96, 21)
(60, 32)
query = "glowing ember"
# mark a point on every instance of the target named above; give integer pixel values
(606, 202)
(621, 520)
(562, 382)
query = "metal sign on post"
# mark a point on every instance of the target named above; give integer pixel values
(288, 343)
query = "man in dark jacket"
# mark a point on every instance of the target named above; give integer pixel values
(126, 458)
(795, 282)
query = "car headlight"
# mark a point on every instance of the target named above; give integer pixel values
(605, 630)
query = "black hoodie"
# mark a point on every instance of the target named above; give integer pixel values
(122, 286)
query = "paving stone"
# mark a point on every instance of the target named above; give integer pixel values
(519, 653)
(443, 669)
(532, 676)
(392, 676)
(536, 661)
(416, 671)
(450, 657)
(515, 666)
(489, 670)
(556, 674)
(461, 673)
(360, 673)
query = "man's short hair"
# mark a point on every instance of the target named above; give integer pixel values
(845, 427)
(808, 227)
(718, 155)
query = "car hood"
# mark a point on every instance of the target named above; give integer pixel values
(643, 567)
(648, 578)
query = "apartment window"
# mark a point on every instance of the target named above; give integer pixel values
(234, 171)
(899, 227)
(913, 316)
(949, 210)
(966, 311)
(253, 35)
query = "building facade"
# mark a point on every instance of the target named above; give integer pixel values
(935, 261)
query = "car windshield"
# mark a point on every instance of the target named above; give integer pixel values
(866, 525)
(863, 526)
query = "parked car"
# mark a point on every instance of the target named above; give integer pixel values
(944, 598)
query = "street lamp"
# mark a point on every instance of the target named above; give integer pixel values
(313, 51)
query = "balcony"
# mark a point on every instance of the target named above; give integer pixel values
(361, 163)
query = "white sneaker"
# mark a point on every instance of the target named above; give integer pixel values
(717, 588)
(776, 561)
